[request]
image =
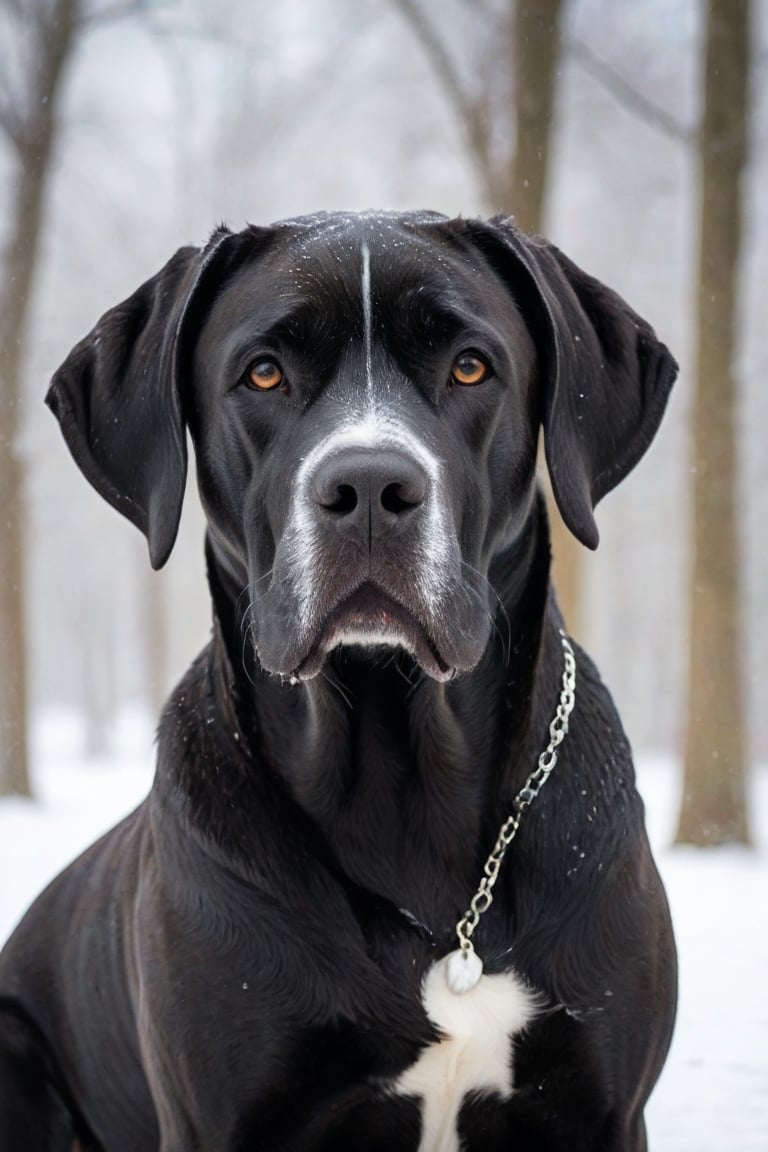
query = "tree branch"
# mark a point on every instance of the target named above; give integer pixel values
(11, 124)
(472, 115)
(626, 95)
(115, 11)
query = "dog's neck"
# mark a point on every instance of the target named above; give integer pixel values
(406, 777)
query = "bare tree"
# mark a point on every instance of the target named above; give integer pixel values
(43, 32)
(504, 108)
(713, 807)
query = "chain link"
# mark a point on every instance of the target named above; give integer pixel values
(558, 730)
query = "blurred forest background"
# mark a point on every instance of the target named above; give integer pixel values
(129, 128)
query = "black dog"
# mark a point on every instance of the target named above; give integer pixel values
(265, 955)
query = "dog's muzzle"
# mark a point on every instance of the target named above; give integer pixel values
(372, 507)
(369, 557)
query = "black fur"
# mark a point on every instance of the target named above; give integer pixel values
(238, 964)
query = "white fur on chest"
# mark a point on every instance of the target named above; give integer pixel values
(475, 1054)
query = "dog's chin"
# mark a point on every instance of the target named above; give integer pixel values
(371, 621)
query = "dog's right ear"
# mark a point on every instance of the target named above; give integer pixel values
(117, 401)
(117, 395)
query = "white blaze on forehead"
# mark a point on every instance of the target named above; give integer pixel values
(367, 316)
(474, 1055)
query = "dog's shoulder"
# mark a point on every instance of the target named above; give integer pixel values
(597, 739)
(69, 950)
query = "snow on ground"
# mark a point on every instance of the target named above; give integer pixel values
(713, 1094)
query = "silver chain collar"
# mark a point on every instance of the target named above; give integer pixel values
(464, 967)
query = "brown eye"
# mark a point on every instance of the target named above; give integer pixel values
(469, 369)
(265, 375)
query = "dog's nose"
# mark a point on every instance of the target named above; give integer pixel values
(367, 493)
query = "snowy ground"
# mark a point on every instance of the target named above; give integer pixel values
(713, 1095)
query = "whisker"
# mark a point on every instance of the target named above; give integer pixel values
(399, 668)
(506, 644)
(250, 588)
(247, 636)
(244, 592)
(335, 684)
(414, 684)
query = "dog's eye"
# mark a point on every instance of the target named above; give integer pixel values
(469, 369)
(264, 375)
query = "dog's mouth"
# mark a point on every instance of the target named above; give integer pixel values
(369, 618)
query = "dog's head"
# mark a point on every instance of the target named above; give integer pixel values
(364, 395)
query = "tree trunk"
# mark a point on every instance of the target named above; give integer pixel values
(537, 50)
(713, 807)
(156, 633)
(33, 141)
(97, 648)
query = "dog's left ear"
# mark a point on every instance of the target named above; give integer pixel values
(606, 375)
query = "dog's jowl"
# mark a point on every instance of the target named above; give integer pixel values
(391, 889)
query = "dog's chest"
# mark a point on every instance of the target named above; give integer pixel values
(474, 1054)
